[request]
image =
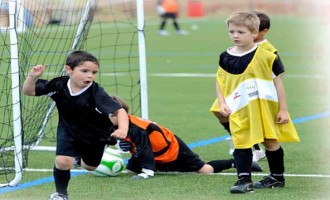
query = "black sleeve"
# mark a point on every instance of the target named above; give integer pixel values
(278, 67)
(41, 87)
(44, 87)
(220, 63)
(104, 103)
(144, 151)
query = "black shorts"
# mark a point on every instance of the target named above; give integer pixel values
(187, 160)
(169, 15)
(90, 153)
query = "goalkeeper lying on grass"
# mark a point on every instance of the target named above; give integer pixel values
(156, 148)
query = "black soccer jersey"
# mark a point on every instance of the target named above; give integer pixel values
(84, 116)
(235, 64)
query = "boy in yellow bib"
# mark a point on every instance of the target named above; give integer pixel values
(251, 94)
(262, 42)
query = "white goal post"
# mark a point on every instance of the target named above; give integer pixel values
(119, 45)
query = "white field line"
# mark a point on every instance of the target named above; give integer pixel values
(206, 75)
(182, 173)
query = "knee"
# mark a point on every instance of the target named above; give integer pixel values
(206, 169)
(64, 162)
(271, 144)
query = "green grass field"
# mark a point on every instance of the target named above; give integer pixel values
(181, 103)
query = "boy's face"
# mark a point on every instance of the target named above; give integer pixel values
(241, 35)
(82, 75)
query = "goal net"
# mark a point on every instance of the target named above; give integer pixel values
(44, 32)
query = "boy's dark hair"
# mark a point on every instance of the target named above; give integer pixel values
(264, 20)
(76, 58)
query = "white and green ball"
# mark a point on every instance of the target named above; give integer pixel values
(112, 164)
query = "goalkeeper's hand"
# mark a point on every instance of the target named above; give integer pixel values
(125, 145)
(146, 173)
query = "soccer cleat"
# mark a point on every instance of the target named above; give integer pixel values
(163, 33)
(58, 196)
(243, 185)
(182, 32)
(256, 167)
(258, 154)
(268, 182)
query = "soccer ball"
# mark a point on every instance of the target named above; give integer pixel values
(112, 164)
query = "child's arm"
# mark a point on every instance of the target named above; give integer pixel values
(224, 109)
(30, 81)
(122, 130)
(282, 115)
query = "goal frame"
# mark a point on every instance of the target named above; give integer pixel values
(15, 27)
(17, 121)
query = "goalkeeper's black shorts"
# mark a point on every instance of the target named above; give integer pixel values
(187, 161)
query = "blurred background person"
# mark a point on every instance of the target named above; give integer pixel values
(169, 9)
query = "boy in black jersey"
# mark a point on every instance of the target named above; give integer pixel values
(251, 94)
(85, 112)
